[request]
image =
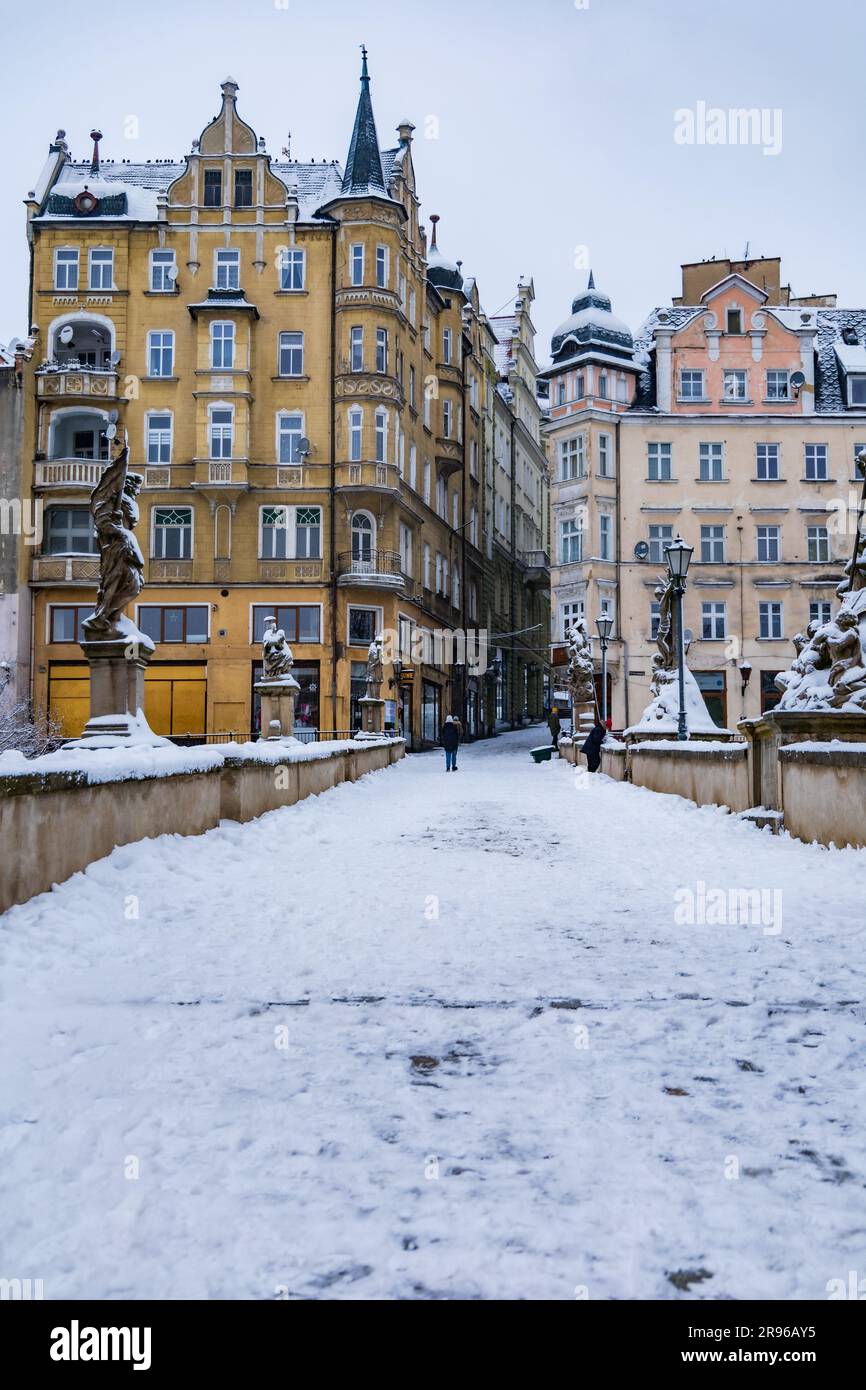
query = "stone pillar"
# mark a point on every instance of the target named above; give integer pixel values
(372, 718)
(117, 668)
(278, 707)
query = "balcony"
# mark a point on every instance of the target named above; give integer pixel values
(449, 455)
(376, 569)
(63, 382)
(69, 473)
(368, 477)
(221, 479)
(537, 568)
(65, 569)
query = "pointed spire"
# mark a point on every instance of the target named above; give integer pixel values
(591, 281)
(434, 218)
(96, 136)
(364, 164)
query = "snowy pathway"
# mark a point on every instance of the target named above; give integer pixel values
(439, 1036)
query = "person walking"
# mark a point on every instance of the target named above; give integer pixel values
(554, 726)
(592, 746)
(450, 738)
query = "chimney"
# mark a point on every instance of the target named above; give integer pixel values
(96, 136)
(434, 218)
(404, 132)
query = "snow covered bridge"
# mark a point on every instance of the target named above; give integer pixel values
(509, 1032)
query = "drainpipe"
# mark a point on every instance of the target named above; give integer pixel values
(513, 608)
(333, 478)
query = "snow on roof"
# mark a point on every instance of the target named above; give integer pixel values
(503, 331)
(851, 355)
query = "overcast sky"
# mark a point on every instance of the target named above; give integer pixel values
(554, 124)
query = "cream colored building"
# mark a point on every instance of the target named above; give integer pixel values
(743, 409)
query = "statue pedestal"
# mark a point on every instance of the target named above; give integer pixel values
(372, 718)
(779, 727)
(278, 707)
(117, 667)
(583, 719)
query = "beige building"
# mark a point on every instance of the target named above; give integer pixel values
(737, 416)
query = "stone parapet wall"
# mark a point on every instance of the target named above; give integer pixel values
(824, 792)
(55, 823)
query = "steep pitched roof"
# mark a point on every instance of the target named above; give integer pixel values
(364, 164)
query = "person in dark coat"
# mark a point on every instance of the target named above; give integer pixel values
(554, 725)
(450, 738)
(592, 746)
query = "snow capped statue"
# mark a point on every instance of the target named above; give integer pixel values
(114, 507)
(277, 656)
(375, 668)
(580, 669)
(661, 716)
(829, 670)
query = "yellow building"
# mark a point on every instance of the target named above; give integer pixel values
(303, 395)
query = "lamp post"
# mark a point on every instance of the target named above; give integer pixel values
(679, 557)
(605, 628)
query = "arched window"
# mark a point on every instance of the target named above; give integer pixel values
(363, 538)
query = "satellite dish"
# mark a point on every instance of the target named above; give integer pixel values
(171, 273)
(641, 550)
(114, 358)
(304, 446)
(111, 432)
(66, 333)
(112, 415)
(688, 637)
(798, 380)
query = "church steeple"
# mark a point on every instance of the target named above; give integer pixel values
(364, 164)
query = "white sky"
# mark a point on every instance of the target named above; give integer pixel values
(555, 124)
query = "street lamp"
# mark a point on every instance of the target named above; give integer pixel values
(679, 557)
(605, 628)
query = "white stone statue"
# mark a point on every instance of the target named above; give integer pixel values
(661, 716)
(276, 654)
(580, 679)
(829, 670)
(375, 668)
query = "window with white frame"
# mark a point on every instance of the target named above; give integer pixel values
(363, 625)
(560, 392)
(222, 345)
(777, 385)
(857, 451)
(65, 268)
(228, 270)
(473, 524)
(381, 421)
(428, 483)
(660, 537)
(570, 542)
(363, 541)
(820, 611)
(442, 496)
(455, 511)
(605, 455)
(401, 290)
(447, 350)
(714, 622)
(356, 434)
(101, 276)
(605, 608)
(769, 544)
(382, 267)
(857, 390)
(767, 462)
(426, 566)
(292, 268)
(157, 437)
(291, 533)
(712, 545)
(711, 462)
(691, 385)
(816, 463)
(455, 586)
(413, 467)
(406, 548)
(818, 541)
(161, 263)
(770, 619)
(356, 264)
(290, 432)
(160, 353)
(655, 619)
(291, 359)
(447, 419)
(172, 533)
(571, 613)
(69, 531)
(473, 459)
(658, 461)
(222, 431)
(571, 458)
(602, 385)
(381, 349)
(605, 536)
(356, 349)
(735, 384)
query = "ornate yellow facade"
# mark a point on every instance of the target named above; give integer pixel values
(304, 394)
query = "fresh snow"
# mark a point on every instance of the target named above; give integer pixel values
(433, 946)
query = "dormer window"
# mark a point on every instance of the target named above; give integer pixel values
(735, 321)
(213, 188)
(857, 390)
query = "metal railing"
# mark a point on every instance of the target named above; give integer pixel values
(372, 562)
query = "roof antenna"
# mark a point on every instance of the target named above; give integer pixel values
(434, 218)
(365, 76)
(287, 148)
(96, 136)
